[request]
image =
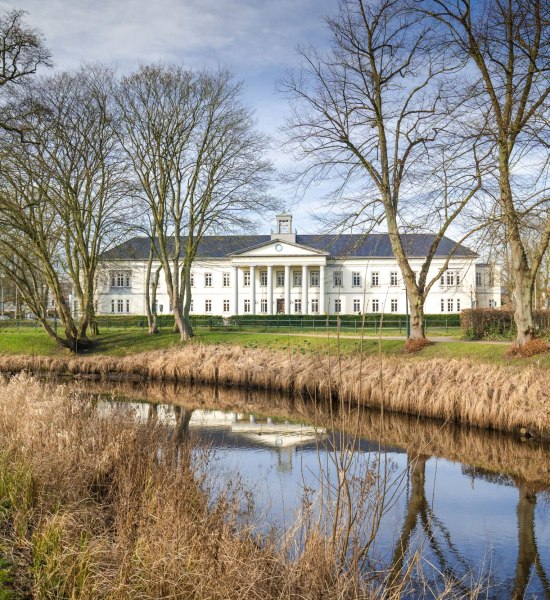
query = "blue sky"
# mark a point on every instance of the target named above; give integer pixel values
(257, 39)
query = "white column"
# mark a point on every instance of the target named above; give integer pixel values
(287, 289)
(252, 290)
(235, 290)
(270, 290)
(305, 282)
(322, 308)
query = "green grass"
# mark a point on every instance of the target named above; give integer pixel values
(127, 341)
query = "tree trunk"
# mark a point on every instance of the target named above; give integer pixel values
(187, 300)
(416, 320)
(523, 310)
(151, 286)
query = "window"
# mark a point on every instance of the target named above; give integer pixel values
(450, 278)
(192, 279)
(263, 278)
(356, 279)
(226, 306)
(161, 308)
(491, 278)
(191, 306)
(226, 280)
(120, 279)
(247, 305)
(374, 279)
(246, 282)
(263, 306)
(337, 279)
(127, 306)
(297, 278)
(315, 305)
(357, 305)
(450, 305)
(112, 306)
(375, 305)
(280, 278)
(208, 280)
(337, 305)
(393, 278)
(120, 306)
(478, 279)
(393, 305)
(297, 306)
(493, 304)
(458, 305)
(314, 279)
(442, 305)
(207, 306)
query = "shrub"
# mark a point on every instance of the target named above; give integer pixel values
(497, 323)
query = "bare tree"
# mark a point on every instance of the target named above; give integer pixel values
(198, 159)
(507, 45)
(22, 48)
(373, 114)
(69, 166)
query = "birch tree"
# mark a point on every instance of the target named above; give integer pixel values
(374, 114)
(507, 47)
(198, 159)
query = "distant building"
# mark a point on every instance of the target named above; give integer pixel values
(289, 273)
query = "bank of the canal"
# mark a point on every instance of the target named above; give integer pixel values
(508, 397)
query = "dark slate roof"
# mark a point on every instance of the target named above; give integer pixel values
(375, 245)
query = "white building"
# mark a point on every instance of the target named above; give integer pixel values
(286, 272)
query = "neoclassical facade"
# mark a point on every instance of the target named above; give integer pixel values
(285, 272)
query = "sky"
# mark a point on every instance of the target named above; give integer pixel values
(256, 39)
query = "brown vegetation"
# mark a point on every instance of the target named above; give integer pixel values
(107, 508)
(461, 391)
(415, 345)
(531, 348)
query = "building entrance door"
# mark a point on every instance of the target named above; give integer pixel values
(280, 306)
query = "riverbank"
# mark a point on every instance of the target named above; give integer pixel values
(510, 398)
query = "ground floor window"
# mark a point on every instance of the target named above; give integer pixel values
(337, 305)
(120, 306)
(458, 305)
(263, 306)
(297, 306)
(226, 306)
(127, 306)
(191, 306)
(315, 305)
(208, 306)
(394, 305)
(357, 305)
(112, 306)
(450, 304)
(375, 305)
(247, 305)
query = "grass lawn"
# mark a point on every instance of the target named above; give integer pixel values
(125, 341)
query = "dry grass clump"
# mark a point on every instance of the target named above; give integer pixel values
(412, 346)
(531, 348)
(106, 508)
(461, 391)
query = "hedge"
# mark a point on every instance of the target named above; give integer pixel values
(480, 323)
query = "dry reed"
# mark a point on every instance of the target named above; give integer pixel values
(461, 391)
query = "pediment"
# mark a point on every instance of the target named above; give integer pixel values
(279, 248)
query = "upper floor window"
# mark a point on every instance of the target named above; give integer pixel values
(280, 278)
(226, 280)
(374, 278)
(356, 279)
(192, 279)
(479, 280)
(208, 280)
(297, 278)
(263, 278)
(337, 279)
(393, 278)
(491, 278)
(314, 278)
(120, 279)
(450, 278)
(246, 281)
